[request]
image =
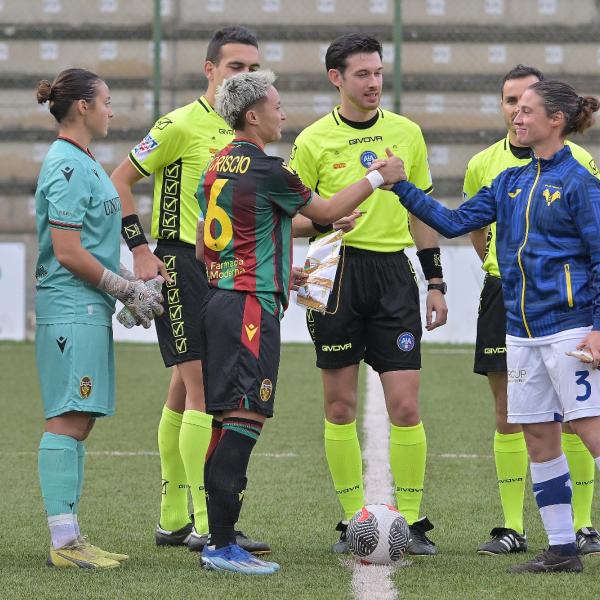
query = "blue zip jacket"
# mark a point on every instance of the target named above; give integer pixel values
(548, 240)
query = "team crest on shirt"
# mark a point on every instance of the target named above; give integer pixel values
(85, 387)
(266, 389)
(145, 147)
(406, 341)
(551, 193)
(367, 158)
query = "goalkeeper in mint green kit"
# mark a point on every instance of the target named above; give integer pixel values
(78, 215)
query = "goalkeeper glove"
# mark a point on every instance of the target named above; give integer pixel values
(143, 303)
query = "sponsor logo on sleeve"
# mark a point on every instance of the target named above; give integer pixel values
(67, 172)
(145, 147)
(162, 123)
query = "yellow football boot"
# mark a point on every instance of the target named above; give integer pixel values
(78, 557)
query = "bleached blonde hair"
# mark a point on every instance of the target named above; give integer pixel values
(238, 93)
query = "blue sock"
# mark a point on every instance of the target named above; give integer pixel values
(552, 491)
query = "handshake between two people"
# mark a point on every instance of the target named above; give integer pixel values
(390, 168)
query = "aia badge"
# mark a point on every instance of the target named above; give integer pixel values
(145, 147)
(85, 387)
(406, 341)
(367, 158)
(266, 389)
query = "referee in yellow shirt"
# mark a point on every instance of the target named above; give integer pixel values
(374, 310)
(510, 452)
(175, 151)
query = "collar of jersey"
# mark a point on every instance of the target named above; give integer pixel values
(239, 140)
(338, 118)
(563, 154)
(205, 105)
(509, 147)
(64, 138)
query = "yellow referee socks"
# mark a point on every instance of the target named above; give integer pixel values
(510, 454)
(408, 456)
(194, 438)
(342, 450)
(582, 468)
(174, 500)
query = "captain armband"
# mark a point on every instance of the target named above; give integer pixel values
(132, 232)
(431, 262)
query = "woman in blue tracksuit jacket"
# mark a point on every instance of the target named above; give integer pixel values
(548, 244)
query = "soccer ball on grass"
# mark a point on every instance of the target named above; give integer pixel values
(378, 534)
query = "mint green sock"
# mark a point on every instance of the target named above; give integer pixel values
(58, 471)
(80, 470)
(80, 478)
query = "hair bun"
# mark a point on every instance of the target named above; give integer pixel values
(44, 91)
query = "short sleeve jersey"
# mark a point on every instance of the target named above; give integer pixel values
(248, 199)
(485, 166)
(177, 150)
(74, 193)
(330, 154)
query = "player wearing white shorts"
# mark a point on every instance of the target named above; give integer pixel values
(545, 384)
(547, 216)
(510, 450)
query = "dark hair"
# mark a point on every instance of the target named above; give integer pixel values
(520, 72)
(561, 97)
(347, 45)
(68, 87)
(229, 35)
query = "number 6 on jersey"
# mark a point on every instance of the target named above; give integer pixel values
(216, 213)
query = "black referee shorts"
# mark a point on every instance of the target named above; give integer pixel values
(241, 350)
(490, 345)
(178, 329)
(373, 314)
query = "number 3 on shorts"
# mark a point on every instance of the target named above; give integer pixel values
(582, 379)
(216, 213)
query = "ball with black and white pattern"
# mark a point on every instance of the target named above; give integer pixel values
(378, 534)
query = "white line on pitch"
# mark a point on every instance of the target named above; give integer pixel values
(373, 582)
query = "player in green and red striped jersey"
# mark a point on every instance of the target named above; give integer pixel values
(254, 189)
(248, 199)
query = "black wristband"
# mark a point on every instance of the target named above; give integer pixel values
(132, 232)
(322, 228)
(431, 262)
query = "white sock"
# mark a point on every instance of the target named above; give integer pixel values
(62, 530)
(552, 491)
